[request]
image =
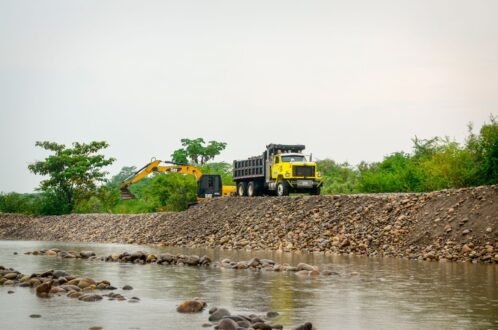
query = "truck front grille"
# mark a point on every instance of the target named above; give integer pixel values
(303, 171)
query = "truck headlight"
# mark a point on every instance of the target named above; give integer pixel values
(287, 174)
(319, 174)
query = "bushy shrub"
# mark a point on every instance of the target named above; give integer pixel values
(171, 192)
(90, 205)
(16, 203)
(338, 178)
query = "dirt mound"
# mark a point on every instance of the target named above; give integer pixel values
(446, 225)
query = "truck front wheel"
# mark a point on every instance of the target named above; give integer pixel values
(315, 191)
(241, 189)
(283, 188)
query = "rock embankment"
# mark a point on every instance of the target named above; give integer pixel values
(453, 225)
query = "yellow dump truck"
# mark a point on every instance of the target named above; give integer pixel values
(280, 170)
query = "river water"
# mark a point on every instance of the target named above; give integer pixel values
(386, 293)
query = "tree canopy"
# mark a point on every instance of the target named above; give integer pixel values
(197, 152)
(73, 172)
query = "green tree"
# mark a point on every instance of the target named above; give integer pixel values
(484, 148)
(180, 156)
(197, 152)
(73, 172)
(124, 173)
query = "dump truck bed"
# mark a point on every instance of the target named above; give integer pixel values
(251, 168)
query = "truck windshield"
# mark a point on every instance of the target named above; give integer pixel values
(293, 158)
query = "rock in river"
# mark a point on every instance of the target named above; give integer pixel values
(87, 254)
(43, 289)
(90, 297)
(134, 300)
(271, 315)
(191, 306)
(60, 273)
(261, 326)
(227, 324)
(10, 276)
(219, 314)
(303, 266)
(306, 326)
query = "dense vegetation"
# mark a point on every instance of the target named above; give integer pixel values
(434, 164)
(74, 173)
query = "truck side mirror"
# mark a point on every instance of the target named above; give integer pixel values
(311, 157)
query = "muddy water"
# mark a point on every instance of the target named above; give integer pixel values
(386, 293)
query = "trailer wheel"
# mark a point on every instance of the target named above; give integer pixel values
(192, 204)
(252, 189)
(241, 189)
(283, 188)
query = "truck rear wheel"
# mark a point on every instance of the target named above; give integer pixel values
(252, 189)
(283, 188)
(241, 189)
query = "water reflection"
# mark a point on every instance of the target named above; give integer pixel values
(386, 294)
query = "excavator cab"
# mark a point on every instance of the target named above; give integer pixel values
(209, 185)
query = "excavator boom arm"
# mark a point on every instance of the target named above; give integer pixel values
(141, 173)
(182, 169)
(155, 166)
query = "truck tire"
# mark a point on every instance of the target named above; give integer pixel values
(252, 189)
(315, 191)
(282, 188)
(241, 189)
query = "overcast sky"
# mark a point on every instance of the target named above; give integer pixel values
(352, 80)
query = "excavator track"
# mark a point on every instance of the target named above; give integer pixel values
(126, 194)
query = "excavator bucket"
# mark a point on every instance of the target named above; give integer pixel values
(126, 194)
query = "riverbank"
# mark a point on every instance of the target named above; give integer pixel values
(347, 301)
(452, 225)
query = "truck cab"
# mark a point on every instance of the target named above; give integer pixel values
(293, 172)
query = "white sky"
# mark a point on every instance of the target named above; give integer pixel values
(352, 80)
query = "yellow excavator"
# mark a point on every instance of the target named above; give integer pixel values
(208, 185)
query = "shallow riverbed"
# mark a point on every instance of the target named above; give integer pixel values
(386, 293)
